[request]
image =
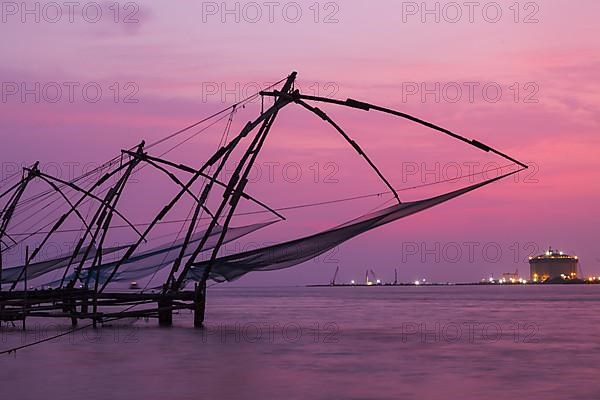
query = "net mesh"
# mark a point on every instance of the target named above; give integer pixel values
(291, 253)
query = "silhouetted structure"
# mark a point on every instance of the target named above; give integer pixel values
(81, 292)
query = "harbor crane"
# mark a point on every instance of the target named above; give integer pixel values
(337, 269)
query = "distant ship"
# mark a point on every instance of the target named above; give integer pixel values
(553, 265)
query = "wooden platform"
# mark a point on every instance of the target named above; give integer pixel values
(85, 304)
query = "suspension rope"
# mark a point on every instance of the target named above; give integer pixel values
(116, 159)
(307, 205)
(90, 174)
(191, 210)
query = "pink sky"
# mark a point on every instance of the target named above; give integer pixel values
(172, 56)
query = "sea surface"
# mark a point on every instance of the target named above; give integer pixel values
(455, 342)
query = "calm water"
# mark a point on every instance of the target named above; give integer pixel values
(331, 343)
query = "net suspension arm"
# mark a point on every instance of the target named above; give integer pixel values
(231, 197)
(102, 219)
(367, 107)
(35, 173)
(165, 210)
(214, 221)
(73, 208)
(9, 190)
(6, 216)
(172, 281)
(265, 119)
(96, 184)
(220, 153)
(88, 230)
(93, 196)
(236, 199)
(186, 168)
(106, 223)
(200, 203)
(177, 181)
(320, 113)
(13, 201)
(8, 211)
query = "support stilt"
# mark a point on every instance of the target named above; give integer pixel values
(199, 304)
(73, 309)
(165, 312)
(25, 285)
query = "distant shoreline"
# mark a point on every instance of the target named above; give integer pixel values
(578, 282)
